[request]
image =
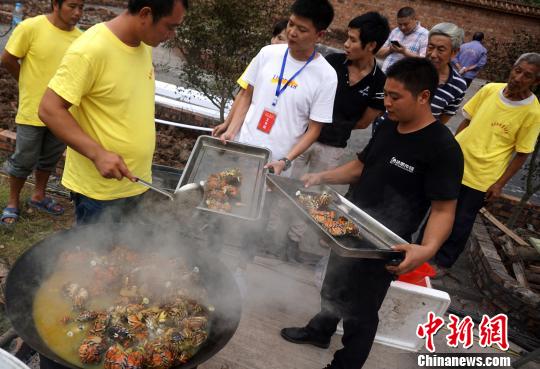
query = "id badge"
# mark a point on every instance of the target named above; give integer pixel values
(268, 118)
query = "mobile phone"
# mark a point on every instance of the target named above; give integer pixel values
(395, 43)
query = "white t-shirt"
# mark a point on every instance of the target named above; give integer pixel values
(309, 96)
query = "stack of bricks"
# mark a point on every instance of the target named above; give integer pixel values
(500, 288)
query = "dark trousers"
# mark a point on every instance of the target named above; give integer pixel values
(353, 290)
(90, 211)
(470, 201)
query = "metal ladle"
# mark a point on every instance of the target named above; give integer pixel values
(190, 194)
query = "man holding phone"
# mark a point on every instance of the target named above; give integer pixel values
(409, 38)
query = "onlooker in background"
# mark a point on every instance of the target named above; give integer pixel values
(410, 164)
(32, 55)
(471, 58)
(279, 36)
(444, 42)
(359, 100)
(107, 74)
(409, 38)
(502, 120)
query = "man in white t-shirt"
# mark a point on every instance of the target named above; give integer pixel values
(291, 89)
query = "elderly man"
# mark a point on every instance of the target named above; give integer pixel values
(500, 129)
(471, 58)
(409, 38)
(443, 44)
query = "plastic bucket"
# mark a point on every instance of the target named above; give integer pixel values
(418, 276)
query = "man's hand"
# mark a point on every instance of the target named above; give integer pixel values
(227, 136)
(415, 255)
(220, 129)
(111, 165)
(494, 191)
(311, 179)
(276, 166)
(397, 49)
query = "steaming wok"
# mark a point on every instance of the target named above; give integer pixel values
(38, 262)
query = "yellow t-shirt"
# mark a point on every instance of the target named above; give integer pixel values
(40, 47)
(498, 128)
(112, 88)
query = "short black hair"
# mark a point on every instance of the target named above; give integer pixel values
(373, 27)
(416, 74)
(59, 2)
(279, 26)
(320, 12)
(478, 36)
(160, 8)
(406, 12)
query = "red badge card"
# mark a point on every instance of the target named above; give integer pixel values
(268, 118)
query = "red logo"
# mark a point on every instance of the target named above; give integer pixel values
(494, 331)
(460, 332)
(429, 329)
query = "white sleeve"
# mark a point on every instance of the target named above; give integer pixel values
(253, 68)
(322, 106)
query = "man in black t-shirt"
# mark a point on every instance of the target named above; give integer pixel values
(409, 165)
(359, 100)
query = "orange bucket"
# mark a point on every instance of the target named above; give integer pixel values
(418, 276)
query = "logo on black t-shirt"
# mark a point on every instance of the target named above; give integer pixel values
(402, 165)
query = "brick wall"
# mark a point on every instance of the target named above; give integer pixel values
(494, 23)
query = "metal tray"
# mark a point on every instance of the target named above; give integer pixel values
(375, 240)
(210, 155)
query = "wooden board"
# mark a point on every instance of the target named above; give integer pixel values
(497, 223)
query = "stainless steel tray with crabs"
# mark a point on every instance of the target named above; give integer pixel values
(233, 176)
(351, 231)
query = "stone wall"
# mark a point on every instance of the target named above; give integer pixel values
(495, 18)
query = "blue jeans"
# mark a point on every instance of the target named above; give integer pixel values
(90, 211)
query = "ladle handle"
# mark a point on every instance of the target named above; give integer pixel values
(152, 187)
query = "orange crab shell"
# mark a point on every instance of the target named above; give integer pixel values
(91, 350)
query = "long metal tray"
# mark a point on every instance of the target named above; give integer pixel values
(210, 155)
(374, 240)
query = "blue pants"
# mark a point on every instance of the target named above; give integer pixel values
(90, 211)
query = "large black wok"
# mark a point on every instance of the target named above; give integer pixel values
(37, 263)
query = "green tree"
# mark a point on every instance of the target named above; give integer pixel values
(218, 40)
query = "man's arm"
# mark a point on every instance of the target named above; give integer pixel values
(346, 174)
(383, 52)
(464, 124)
(242, 101)
(438, 228)
(307, 139)
(444, 118)
(517, 162)
(367, 118)
(53, 111)
(11, 63)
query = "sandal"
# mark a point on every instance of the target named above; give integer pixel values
(47, 205)
(9, 213)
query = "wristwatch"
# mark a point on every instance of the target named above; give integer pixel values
(287, 163)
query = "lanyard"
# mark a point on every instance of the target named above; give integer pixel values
(280, 90)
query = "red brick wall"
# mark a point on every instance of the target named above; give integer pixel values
(493, 23)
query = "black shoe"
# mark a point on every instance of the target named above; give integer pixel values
(303, 336)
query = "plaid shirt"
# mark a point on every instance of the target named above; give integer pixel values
(416, 41)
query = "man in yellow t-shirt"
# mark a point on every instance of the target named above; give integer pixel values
(108, 77)
(32, 55)
(500, 131)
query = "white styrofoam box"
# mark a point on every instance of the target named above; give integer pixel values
(187, 99)
(406, 305)
(8, 361)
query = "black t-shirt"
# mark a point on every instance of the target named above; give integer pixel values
(351, 101)
(403, 173)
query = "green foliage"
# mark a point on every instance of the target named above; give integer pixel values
(502, 55)
(218, 40)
